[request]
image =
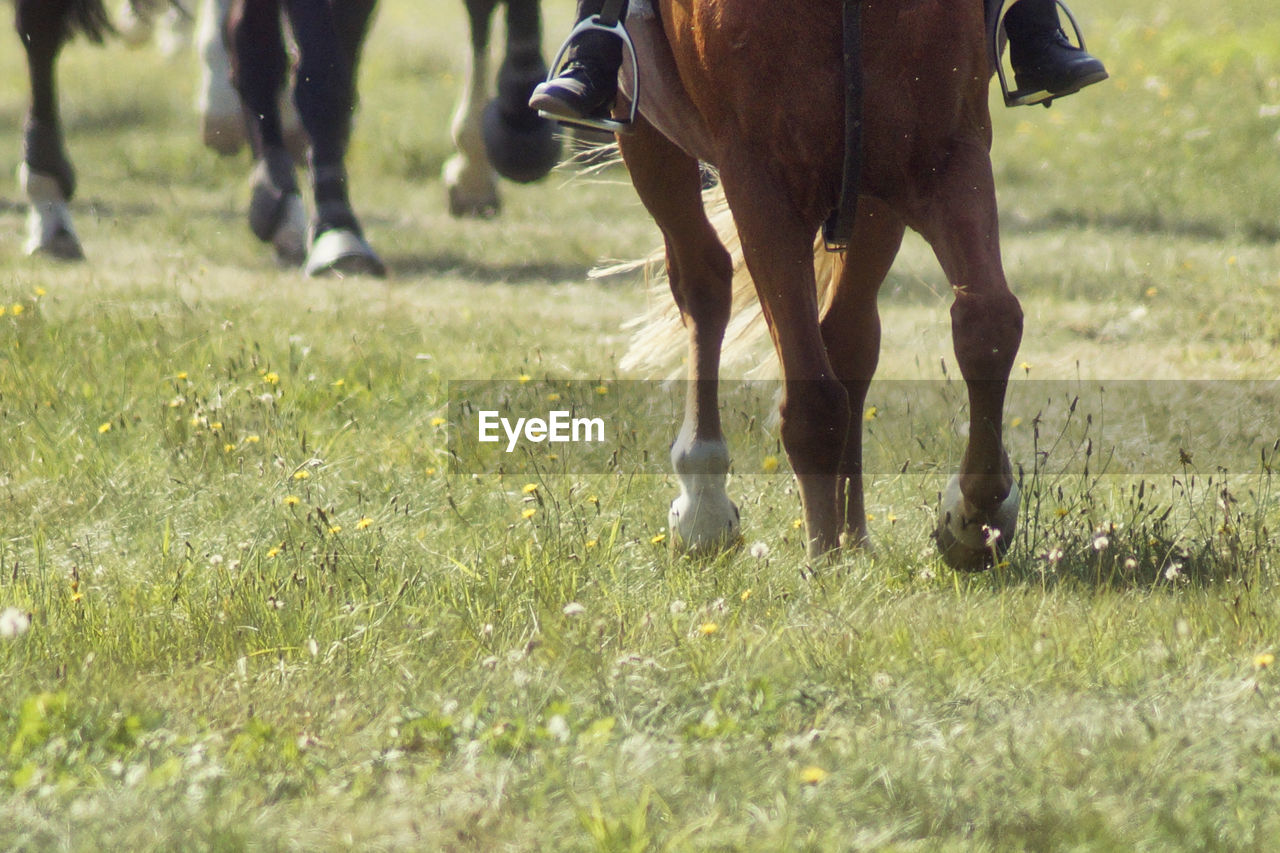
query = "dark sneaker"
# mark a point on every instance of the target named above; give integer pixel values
(1049, 66)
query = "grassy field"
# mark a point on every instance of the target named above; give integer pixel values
(266, 613)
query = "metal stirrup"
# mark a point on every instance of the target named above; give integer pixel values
(606, 22)
(995, 44)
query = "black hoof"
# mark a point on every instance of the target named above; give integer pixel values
(523, 150)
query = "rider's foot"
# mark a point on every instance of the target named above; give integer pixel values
(1046, 65)
(587, 84)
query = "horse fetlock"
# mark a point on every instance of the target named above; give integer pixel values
(970, 539)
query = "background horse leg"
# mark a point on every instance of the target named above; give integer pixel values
(521, 145)
(777, 245)
(851, 335)
(980, 507)
(467, 175)
(668, 181)
(46, 175)
(221, 121)
(329, 37)
(259, 66)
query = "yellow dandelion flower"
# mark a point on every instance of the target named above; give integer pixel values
(529, 513)
(706, 629)
(523, 377)
(529, 488)
(271, 377)
(659, 539)
(337, 383)
(302, 475)
(438, 421)
(769, 464)
(870, 414)
(104, 427)
(1016, 422)
(40, 291)
(363, 524)
(813, 775)
(1026, 366)
(591, 543)
(797, 524)
(182, 375)
(553, 398)
(77, 596)
(1151, 291)
(1062, 512)
(871, 516)
(252, 439)
(227, 448)
(273, 552)
(746, 593)
(430, 471)
(602, 390)
(2, 310)
(292, 500)
(594, 500)
(1264, 660)
(215, 426)
(17, 309)
(335, 529)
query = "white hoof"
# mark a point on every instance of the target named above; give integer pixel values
(702, 519)
(49, 230)
(472, 191)
(971, 543)
(340, 251)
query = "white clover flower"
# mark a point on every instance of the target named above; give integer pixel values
(759, 550)
(573, 608)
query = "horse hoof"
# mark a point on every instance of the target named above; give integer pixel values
(706, 523)
(290, 236)
(969, 543)
(522, 150)
(49, 230)
(472, 191)
(222, 133)
(342, 252)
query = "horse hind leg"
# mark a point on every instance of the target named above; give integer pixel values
(468, 177)
(851, 334)
(702, 519)
(979, 509)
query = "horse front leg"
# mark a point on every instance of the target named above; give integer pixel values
(777, 245)
(46, 175)
(702, 519)
(467, 175)
(980, 506)
(851, 335)
(520, 144)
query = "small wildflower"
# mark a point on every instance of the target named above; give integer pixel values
(227, 448)
(870, 414)
(438, 421)
(1263, 660)
(216, 426)
(13, 623)
(105, 427)
(1062, 512)
(335, 529)
(302, 475)
(573, 608)
(337, 383)
(271, 377)
(769, 464)
(558, 729)
(1130, 563)
(523, 377)
(1015, 423)
(1151, 291)
(591, 543)
(430, 470)
(529, 513)
(363, 524)
(1173, 572)
(658, 539)
(706, 629)
(1054, 556)
(813, 775)
(746, 593)
(1026, 367)
(677, 606)
(602, 390)
(292, 500)
(759, 550)
(553, 398)
(17, 310)
(797, 524)
(252, 439)
(40, 291)
(529, 488)
(1100, 542)
(991, 535)
(593, 500)
(182, 375)
(273, 552)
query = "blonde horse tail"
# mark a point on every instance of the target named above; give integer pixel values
(658, 336)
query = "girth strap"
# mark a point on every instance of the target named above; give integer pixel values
(838, 229)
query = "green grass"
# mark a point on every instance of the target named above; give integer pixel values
(267, 613)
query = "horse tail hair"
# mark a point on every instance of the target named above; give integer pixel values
(90, 18)
(658, 338)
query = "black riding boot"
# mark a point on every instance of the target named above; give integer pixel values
(1044, 62)
(588, 82)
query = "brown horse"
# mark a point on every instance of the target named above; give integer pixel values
(756, 88)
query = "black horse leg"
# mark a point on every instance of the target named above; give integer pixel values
(329, 37)
(259, 65)
(522, 146)
(47, 175)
